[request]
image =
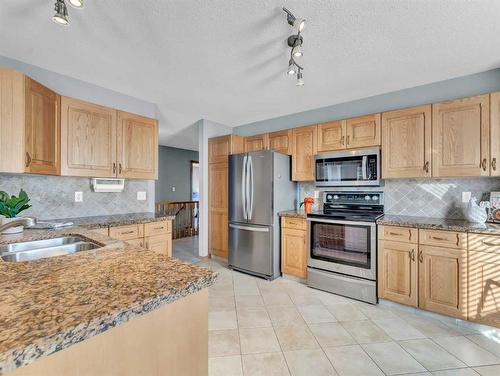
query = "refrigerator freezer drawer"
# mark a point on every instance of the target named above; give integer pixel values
(251, 248)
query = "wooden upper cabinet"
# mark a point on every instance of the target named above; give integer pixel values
(397, 274)
(137, 146)
(220, 147)
(363, 131)
(12, 109)
(442, 275)
(460, 137)
(406, 143)
(257, 143)
(495, 134)
(88, 134)
(42, 129)
(304, 148)
(281, 141)
(332, 136)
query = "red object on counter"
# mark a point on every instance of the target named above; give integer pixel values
(308, 204)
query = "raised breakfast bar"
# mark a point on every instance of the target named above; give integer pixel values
(118, 309)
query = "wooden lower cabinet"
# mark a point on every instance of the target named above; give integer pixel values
(397, 272)
(217, 238)
(442, 277)
(484, 279)
(294, 247)
(159, 243)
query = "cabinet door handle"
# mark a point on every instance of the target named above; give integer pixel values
(128, 232)
(120, 168)
(412, 255)
(458, 240)
(114, 167)
(491, 244)
(426, 166)
(409, 234)
(494, 164)
(438, 238)
(342, 139)
(348, 139)
(394, 234)
(420, 256)
(483, 164)
(28, 159)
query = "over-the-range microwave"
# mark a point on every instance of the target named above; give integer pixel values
(348, 168)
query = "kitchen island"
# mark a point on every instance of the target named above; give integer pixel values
(118, 309)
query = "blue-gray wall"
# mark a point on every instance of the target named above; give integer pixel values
(174, 170)
(479, 83)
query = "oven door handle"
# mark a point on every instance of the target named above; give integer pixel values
(334, 221)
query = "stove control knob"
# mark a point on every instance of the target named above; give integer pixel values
(329, 197)
(367, 198)
(374, 198)
(335, 197)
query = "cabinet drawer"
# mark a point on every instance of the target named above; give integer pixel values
(295, 223)
(136, 242)
(398, 234)
(484, 243)
(157, 228)
(126, 232)
(447, 239)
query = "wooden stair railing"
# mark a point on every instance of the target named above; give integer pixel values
(186, 217)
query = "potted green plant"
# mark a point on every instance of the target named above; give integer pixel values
(10, 207)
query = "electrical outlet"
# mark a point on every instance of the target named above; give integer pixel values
(173, 189)
(466, 197)
(141, 196)
(78, 196)
(316, 194)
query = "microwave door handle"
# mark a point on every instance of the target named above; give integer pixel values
(364, 167)
(243, 187)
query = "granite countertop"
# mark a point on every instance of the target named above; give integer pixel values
(53, 303)
(293, 213)
(440, 224)
(116, 220)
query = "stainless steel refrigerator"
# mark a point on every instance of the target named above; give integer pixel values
(260, 187)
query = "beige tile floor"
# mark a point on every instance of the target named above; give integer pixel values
(283, 327)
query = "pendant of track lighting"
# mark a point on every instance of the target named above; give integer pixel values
(295, 42)
(78, 4)
(61, 16)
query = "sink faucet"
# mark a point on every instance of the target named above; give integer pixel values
(26, 222)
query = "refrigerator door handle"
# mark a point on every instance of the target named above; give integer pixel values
(243, 187)
(248, 228)
(251, 188)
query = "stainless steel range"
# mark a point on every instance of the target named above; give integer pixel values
(342, 244)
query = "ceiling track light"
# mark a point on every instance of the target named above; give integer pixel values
(295, 42)
(61, 16)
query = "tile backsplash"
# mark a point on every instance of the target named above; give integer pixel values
(438, 198)
(54, 196)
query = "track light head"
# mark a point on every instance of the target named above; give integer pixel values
(300, 80)
(61, 16)
(292, 68)
(297, 51)
(78, 4)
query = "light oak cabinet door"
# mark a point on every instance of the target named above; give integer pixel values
(294, 252)
(42, 129)
(257, 143)
(304, 148)
(363, 131)
(484, 287)
(460, 137)
(406, 143)
(88, 139)
(220, 147)
(398, 272)
(12, 123)
(332, 136)
(218, 192)
(495, 134)
(137, 147)
(159, 243)
(442, 275)
(281, 141)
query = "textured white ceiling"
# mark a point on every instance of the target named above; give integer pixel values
(224, 60)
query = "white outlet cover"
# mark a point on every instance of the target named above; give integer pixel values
(141, 196)
(466, 197)
(78, 196)
(173, 189)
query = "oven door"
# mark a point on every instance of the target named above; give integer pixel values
(343, 246)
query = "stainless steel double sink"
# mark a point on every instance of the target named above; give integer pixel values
(38, 249)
